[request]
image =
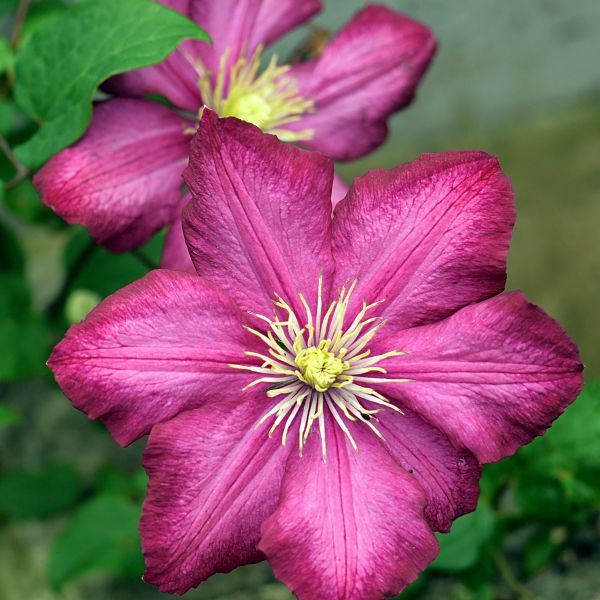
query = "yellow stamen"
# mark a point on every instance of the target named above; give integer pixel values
(270, 100)
(322, 366)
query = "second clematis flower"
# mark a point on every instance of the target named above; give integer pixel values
(323, 391)
(122, 180)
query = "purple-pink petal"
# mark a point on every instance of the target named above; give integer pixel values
(350, 528)
(339, 190)
(236, 27)
(175, 78)
(370, 69)
(214, 477)
(175, 255)
(240, 26)
(448, 475)
(158, 346)
(122, 179)
(492, 376)
(428, 237)
(259, 219)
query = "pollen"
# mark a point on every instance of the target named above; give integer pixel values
(320, 363)
(270, 100)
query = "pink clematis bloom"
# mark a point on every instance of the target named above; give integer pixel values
(323, 391)
(122, 180)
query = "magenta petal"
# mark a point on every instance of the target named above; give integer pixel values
(240, 26)
(158, 346)
(214, 477)
(175, 78)
(339, 190)
(259, 219)
(449, 476)
(427, 237)
(175, 254)
(492, 377)
(350, 528)
(122, 178)
(370, 69)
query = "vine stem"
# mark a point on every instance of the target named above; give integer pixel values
(20, 17)
(22, 170)
(510, 579)
(145, 259)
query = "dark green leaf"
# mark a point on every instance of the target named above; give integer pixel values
(12, 259)
(460, 549)
(6, 55)
(133, 485)
(542, 548)
(573, 442)
(23, 332)
(8, 416)
(102, 536)
(38, 495)
(105, 272)
(24, 202)
(7, 6)
(68, 56)
(8, 112)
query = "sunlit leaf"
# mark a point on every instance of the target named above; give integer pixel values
(68, 56)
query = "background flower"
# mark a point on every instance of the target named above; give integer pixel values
(122, 180)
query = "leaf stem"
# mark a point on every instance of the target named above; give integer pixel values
(509, 577)
(22, 170)
(145, 259)
(20, 17)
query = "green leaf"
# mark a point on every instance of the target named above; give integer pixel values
(116, 481)
(8, 416)
(8, 112)
(542, 548)
(102, 536)
(38, 495)
(68, 56)
(12, 259)
(7, 6)
(24, 202)
(460, 549)
(23, 332)
(573, 442)
(6, 55)
(104, 273)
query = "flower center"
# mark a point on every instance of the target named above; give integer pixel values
(268, 100)
(323, 365)
(319, 367)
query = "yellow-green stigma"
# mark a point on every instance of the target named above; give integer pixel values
(270, 100)
(319, 367)
(322, 365)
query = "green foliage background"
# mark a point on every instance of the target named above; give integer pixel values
(70, 497)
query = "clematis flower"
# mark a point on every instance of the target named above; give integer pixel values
(323, 391)
(122, 180)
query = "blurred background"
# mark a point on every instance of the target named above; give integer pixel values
(518, 79)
